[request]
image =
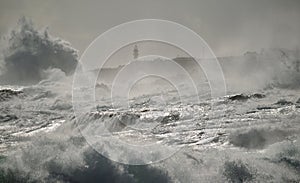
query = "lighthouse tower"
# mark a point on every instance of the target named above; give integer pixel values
(135, 52)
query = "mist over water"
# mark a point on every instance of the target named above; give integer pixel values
(28, 55)
(250, 135)
(268, 68)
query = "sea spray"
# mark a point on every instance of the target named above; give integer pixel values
(29, 52)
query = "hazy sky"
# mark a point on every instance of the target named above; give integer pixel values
(230, 27)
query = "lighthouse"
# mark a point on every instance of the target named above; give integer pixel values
(135, 52)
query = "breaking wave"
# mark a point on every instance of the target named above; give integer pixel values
(30, 53)
(58, 158)
(272, 68)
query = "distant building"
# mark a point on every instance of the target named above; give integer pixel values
(135, 52)
(184, 61)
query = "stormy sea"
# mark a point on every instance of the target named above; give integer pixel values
(251, 134)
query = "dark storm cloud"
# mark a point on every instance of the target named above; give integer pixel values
(229, 26)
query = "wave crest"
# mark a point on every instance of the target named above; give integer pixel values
(30, 52)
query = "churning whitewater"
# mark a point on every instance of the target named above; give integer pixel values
(249, 135)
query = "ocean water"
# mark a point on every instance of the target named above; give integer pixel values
(249, 135)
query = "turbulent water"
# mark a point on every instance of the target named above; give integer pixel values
(251, 136)
(238, 137)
